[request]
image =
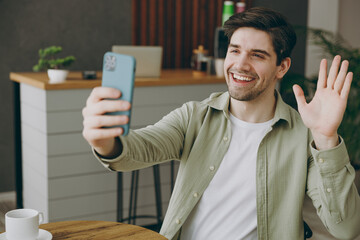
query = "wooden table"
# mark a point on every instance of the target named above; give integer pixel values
(102, 230)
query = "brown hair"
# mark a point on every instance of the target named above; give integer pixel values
(281, 32)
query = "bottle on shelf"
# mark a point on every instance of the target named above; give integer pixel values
(199, 61)
(240, 7)
(228, 11)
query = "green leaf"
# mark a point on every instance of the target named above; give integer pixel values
(48, 61)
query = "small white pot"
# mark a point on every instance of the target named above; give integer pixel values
(57, 75)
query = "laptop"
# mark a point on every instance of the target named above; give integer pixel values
(148, 58)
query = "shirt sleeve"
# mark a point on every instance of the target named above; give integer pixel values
(151, 145)
(333, 192)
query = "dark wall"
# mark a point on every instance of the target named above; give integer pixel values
(84, 28)
(296, 13)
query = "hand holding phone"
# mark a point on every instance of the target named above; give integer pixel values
(96, 124)
(119, 72)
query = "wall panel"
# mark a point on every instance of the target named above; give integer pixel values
(178, 26)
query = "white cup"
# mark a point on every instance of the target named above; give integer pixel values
(23, 224)
(219, 67)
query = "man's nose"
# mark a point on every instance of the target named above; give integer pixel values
(242, 62)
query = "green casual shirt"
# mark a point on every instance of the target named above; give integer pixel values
(288, 167)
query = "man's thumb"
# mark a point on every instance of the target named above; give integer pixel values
(299, 96)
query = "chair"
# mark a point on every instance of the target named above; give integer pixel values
(132, 216)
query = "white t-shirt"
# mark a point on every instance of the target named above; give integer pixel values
(227, 209)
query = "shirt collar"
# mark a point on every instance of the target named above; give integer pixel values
(282, 111)
(221, 101)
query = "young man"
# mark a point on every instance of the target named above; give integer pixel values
(246, 158)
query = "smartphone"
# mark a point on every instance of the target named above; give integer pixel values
(119, 72)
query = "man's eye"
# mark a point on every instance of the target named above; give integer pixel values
(234, 51)
(258, 55)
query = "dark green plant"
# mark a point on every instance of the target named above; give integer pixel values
(48, 61)
(332, 45)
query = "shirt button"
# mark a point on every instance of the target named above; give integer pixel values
(212, 168)
(195, 195)
(225, 139)
(321, 160)
(177, 221)
(328, 190)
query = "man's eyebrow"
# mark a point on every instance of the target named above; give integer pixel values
(252, 50)
(261, 51)
(234, 45)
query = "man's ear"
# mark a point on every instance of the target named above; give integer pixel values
(283, 67)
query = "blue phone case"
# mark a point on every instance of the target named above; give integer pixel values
(119, 73)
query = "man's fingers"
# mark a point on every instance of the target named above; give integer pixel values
(100, 93)
(106, 106)
(346, 88)
(299, 96)
(105, 121)
(338, 85)
(334, 69)
(93, 135)
(322, 74)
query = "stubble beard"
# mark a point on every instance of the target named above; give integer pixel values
(244, 94)
(248, 93)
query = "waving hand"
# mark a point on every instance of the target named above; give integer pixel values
(324, 113)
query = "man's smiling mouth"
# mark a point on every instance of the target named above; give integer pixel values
(243, 78)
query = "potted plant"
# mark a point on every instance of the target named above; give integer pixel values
(332, 45)
(54, 66)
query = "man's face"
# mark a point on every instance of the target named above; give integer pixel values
(250, 64)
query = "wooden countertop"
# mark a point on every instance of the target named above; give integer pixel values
(99, 230)
(169, 77)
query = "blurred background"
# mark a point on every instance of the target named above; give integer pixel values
(88, 28)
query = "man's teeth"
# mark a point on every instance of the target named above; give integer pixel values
(241, 78)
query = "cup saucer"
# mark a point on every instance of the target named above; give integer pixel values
(43, 235)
